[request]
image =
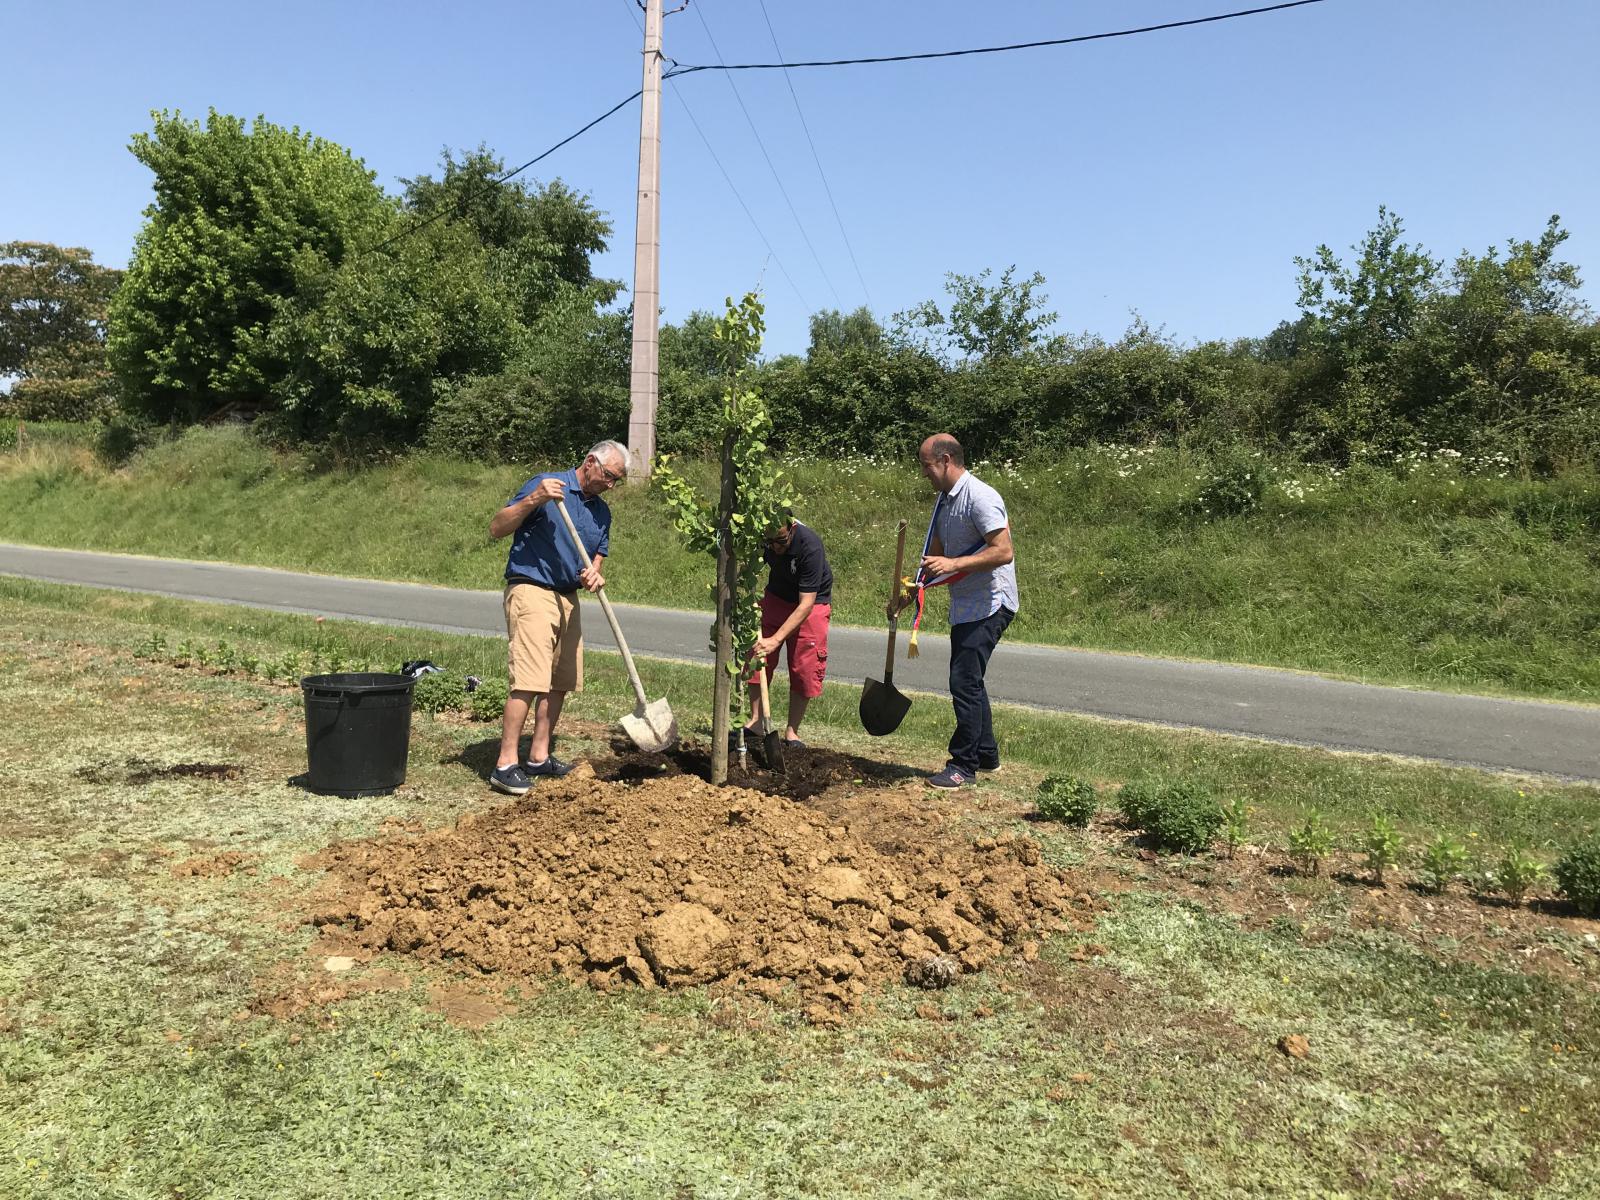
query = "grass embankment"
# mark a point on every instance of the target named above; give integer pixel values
(1425, 574)
(1137, 1060)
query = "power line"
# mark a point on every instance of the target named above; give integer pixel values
(815, 157)
(793, 212)
(681, 69)
(732, 187)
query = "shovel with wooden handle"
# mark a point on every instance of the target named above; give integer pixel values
(771, 739)
(882, 706)
(651, 725)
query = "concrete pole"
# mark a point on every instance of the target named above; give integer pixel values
(645, 373)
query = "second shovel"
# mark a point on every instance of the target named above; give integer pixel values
(882, 705)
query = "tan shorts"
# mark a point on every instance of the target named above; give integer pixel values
(546, 635)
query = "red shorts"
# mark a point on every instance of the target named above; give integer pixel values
(808, 645)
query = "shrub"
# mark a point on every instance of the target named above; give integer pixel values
(1135, 800)
(1443, 860)
(1179, 817)
(1517, 872)
(1578, 875)
(488, 701)
(1382, 845)
(1234, 487)
(125, 435)
(1067, 799)
(1310, 844)
(437, 692)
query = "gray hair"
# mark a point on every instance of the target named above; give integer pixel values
(601, 451)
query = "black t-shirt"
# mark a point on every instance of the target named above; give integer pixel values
(801, 568)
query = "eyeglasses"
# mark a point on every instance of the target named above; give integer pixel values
(611, 476)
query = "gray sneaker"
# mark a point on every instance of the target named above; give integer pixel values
(551, 767)
(511, 780)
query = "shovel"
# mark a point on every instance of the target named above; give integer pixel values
(771, 739)
(651, 725)
(882, 705)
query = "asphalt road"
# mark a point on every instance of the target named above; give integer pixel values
(1518, 735)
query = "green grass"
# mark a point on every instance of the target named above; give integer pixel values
(1427, 574)
(135, 1060)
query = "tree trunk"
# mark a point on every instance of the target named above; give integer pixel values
(727, 574)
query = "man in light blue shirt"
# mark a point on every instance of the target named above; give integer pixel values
(969, 550)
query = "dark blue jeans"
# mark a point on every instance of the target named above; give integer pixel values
(971, 644)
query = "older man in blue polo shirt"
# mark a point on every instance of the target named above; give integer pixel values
(969, 550)
(543, 574)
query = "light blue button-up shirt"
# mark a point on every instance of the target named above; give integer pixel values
(963, 518)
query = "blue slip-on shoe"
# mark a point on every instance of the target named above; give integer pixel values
(550, 768)
(511, 780)
(950, 777)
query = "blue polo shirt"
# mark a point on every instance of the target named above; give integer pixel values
(541, 549)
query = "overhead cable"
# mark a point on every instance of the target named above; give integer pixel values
(684, 69)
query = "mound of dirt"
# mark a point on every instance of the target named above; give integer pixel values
(671, 882)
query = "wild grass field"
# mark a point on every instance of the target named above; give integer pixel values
(169, 1025)
(1432, 571)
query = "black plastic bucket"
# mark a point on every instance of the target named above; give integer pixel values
(358, 729)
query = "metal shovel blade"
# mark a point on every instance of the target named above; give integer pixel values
(883, 707)
(772, 751)
(652, 728)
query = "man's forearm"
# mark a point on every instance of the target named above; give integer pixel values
(797, 618)
(984, 560)
(511, 517)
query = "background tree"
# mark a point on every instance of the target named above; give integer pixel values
(53, 302)
(1362, 318)
(239, 219)
(985, 322)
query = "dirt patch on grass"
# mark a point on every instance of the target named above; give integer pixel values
(654, 878)
(215, 866)
(137, 772)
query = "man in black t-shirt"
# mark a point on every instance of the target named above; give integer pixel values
(794, 613)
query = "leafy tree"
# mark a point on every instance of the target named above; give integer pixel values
(832, 332)
(240, 216)
(362, 351)
(540, 239)
(692, 361)
(53, 302)
(1361, 320)
(987, 322)
(1509, 354)
(753, 498)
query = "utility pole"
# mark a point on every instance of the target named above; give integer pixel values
(644, 376)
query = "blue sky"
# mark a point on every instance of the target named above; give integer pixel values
(1176, 173)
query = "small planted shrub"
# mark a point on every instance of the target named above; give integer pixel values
(1578, 875)
(1135, 801)
(1442, 861)
(1518, 872)
(1309, 844)
(437, 692)
(1382, 844)
(1179, 817)
(1067, 799)
(488, 700)
(1235, 825)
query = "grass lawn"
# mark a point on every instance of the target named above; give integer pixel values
(168, 1026)
(1428, 573)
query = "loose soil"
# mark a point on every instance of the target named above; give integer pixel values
(636, 872)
